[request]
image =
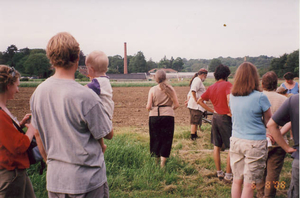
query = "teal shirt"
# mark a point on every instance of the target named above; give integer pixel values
(247, 112)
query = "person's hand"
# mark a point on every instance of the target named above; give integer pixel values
(186, 103)
(290, 150)
(25, 120)
(271, 138)
(30, 131)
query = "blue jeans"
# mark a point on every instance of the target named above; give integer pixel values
(294, 186)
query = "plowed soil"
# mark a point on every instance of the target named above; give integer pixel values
(130, 103)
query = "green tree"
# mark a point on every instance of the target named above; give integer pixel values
(138, 63)
(164, 63)
(81, 58)
(177, 64)
(214, 64)
(37, 64)
(116, 64)
(151, 64)
(277, 65)
(292, 63)
(9, 54)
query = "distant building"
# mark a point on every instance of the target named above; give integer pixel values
(167, 70)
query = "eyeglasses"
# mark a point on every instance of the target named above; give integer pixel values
(12, 71)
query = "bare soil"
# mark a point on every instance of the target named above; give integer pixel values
(130, 105)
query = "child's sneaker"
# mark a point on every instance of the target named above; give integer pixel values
(228, 178)
(220, 175)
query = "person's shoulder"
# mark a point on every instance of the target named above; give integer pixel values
(294, 98)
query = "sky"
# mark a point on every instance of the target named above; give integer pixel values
(191, 29)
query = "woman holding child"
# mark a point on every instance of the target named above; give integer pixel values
(14, 181)
(162, 101)
(251, 111)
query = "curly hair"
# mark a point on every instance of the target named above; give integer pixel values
(63, 50)
(8, 76)
(222, 72)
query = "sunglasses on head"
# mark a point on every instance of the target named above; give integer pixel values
(12, 71)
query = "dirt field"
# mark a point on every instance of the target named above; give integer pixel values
(130, 103)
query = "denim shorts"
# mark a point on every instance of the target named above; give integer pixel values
(248, 159)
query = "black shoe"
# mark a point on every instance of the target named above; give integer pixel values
(194, 137)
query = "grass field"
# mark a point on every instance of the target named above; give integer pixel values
(189, 172)
(174, 82)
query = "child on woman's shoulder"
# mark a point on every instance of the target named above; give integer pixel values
(97, 64)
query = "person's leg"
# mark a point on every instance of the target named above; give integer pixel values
(193, 129)
(236, 188)
(274, 165)
(248, 190)
(13, 183)
(29, 192)
(217, 159)
(167, 133)
(163, 161)
(228, 168)
(294, 186)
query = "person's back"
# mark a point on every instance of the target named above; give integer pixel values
(217, 94)
(70, 119)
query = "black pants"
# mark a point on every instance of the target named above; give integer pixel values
(161, 130)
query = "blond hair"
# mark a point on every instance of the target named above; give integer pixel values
(63, 50)
(160, 77)
(246, 80)
(98, 61)
(8, 76)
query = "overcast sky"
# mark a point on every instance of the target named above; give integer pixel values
(179, 28)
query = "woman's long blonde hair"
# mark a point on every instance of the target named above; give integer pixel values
(160, 77)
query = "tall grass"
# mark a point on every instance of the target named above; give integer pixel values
(189, 172)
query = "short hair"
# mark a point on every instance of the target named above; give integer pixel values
(288, 76)
(269, 81)
(63, 50)
(222, 72)
(246, 80)
(98, 61)
(8, 76)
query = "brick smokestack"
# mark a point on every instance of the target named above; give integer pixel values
(125, 59)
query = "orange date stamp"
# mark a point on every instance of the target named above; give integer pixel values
(276, 184)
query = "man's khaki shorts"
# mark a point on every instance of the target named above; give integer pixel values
(248, 159)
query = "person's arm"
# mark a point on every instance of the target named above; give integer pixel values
(286, 128)
(149, 102)
(40, 145)
(266, 116)
(228, 99)
(110, 135)
(201, 102)
(275, 132)
(194, 95)
(175, 99)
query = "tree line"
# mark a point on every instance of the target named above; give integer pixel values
(34, 62)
